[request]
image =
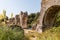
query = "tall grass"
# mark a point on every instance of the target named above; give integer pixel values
(52, 34)
(7, 33)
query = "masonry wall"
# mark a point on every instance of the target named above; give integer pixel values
(20, 20)
(23, 19)
(45, 4)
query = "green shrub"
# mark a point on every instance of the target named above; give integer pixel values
(57, 22)
(6, 33)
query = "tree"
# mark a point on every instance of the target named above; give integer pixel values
(3, 16)
(11, 15)
(32, 18)
(4, 13)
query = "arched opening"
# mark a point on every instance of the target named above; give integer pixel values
(50, 16)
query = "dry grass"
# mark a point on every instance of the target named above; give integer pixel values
(51, 34)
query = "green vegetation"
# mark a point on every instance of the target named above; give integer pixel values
(32, 18)
(57, 22)
(15, 32)
(11, 15)
(3, 16)
(7, 33)
(51, 34)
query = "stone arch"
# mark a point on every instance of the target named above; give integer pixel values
(50, 16)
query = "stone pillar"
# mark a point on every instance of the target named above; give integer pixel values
(21, 18)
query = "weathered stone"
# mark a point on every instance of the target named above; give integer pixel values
(47, 14)
(20, 20)
(23, 19)
(34, 26)
(17, 20)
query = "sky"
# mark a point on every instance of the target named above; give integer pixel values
(15, 6)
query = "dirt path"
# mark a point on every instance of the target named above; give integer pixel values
(31, 34)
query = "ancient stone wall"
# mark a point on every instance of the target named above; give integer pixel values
(17, 20)
(53, 5)
(23, 19)
(20, 20)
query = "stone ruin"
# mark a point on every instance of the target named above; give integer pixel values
(49, 9)
(23, 19)
(20, 20)
(47, 14)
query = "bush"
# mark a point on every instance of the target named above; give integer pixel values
(6, 33)
(57, 22)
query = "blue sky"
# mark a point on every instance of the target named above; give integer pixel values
(16, 6)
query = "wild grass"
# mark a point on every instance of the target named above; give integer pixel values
(7, 33)
(51, 34)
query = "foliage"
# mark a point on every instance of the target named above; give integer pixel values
(3, 16)
(57, 22)
(11, 15)
(32, 18)
(6, 33)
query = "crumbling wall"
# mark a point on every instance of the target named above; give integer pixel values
(50, 16)
(45, 5)
(23, 19)
(20, 20)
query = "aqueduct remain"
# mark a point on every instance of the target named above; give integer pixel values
(48, 13)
